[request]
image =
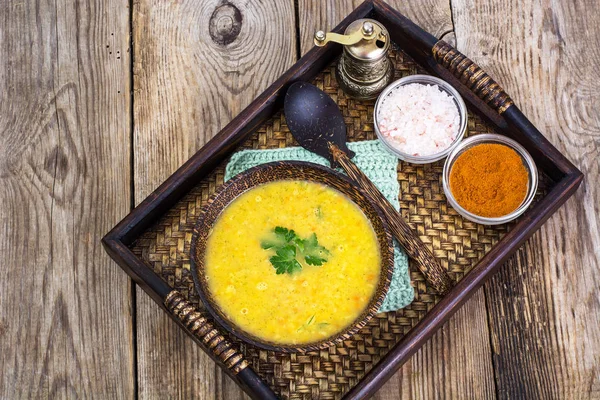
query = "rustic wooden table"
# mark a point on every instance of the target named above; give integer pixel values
(101, 100)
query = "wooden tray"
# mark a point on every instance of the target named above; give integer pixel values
(152, 243)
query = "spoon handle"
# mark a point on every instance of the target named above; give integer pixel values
(416, 249)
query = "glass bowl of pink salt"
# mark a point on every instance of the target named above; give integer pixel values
(420, 118)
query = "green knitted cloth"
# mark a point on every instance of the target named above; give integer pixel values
(379, 165)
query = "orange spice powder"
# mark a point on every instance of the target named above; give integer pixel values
(489, 180)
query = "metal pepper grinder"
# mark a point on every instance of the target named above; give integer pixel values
(364, 69)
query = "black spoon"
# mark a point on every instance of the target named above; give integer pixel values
(317, 123)
(315, 120)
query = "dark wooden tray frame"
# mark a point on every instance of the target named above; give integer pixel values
(421, 46)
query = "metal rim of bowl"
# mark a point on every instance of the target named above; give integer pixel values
(387, 256)
(497, 139)
(443, 85)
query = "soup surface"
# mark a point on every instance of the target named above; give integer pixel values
(267, 279)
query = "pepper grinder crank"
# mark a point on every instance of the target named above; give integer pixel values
(364, 69)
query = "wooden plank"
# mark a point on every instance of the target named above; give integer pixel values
(457, 360)
(197, 64)
(544, 304)
(65, 320)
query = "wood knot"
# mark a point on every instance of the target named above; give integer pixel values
(225, 24)
(57, 164)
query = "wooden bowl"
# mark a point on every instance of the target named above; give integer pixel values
(289, 170)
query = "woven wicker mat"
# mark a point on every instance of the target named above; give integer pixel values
(456, 242)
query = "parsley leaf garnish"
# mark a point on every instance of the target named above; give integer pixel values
(314, 253)
(285, 260)
(290, 249)
(285, 233)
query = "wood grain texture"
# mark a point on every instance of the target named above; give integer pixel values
(197, 64)
(440, 364)
(65, 315)
(65, 320)
(544, 306)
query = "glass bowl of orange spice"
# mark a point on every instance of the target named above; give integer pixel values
(490, 179)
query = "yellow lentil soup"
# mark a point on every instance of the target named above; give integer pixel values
(292, 300)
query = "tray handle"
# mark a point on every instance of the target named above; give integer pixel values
(472, 76)
(219, 345)
(204, 330)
